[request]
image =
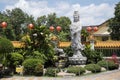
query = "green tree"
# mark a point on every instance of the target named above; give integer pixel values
(84, 34)
(114, 24)
(41, 20)
(17, 17)
(18, 22)
(39, 44)
(7, 32)
(64, 23)
(53, 20)
(24, 26)
(92, 55)
(5, 48)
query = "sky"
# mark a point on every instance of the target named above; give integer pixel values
(92, 12)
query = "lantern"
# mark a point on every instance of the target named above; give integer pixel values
(4, 24)
(31, 26)
(89, 29)
(58, 28)
(51, 28)
(95, 28)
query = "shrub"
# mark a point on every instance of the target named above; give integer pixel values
(6, 45)
(51, 71)
(102, 63)
(30, 65)
(76, 70)
(93, 56)
(15, 59)
(7, 72)
(39, 70)
(110, 65)
(94, 68)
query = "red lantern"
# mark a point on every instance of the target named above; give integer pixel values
(31, 26)
(4, 24)
(58, 28)
(51, 28)
(89, 29)
(95, 28)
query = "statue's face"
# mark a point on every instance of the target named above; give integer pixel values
(76, 16)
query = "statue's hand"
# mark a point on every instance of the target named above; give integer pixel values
(75, 27)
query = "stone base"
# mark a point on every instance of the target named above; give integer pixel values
(77, 60)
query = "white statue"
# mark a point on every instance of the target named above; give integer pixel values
(75, 29)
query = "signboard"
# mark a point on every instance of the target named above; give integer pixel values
(19, 69)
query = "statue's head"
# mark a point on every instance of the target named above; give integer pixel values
(76, 16)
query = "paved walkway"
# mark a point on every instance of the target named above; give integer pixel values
(109, 75)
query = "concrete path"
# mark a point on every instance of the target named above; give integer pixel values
(109, 75)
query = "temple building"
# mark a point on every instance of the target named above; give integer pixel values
(102, 40)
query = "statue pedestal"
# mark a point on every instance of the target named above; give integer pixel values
(77, 60)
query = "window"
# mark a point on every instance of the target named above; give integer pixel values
(105, 38)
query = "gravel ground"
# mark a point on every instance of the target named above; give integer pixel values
(109, 75)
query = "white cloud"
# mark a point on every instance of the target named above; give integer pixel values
(89, 15)
(96, 14)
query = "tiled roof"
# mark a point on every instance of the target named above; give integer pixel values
(98, 44)
(64, 44)
(103, 30)
(107, 44)
(18, 44)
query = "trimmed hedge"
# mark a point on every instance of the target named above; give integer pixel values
(15, 59)
(51, 71)
(76, 70)
(6, 45)
(110, 65)
(31, 65)
(94, 68)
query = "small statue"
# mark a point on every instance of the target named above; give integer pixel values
(60, 52)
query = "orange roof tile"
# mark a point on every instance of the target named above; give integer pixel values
(107, 44)
(98, 44)
(64, 44)
(18, 44)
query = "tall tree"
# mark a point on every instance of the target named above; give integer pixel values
(53, 20)
(29, 19)
(41, 20)
(114, 24)
(64, 22)
(6, 32)
(17, 23)
(39, 44)
(17, 17)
